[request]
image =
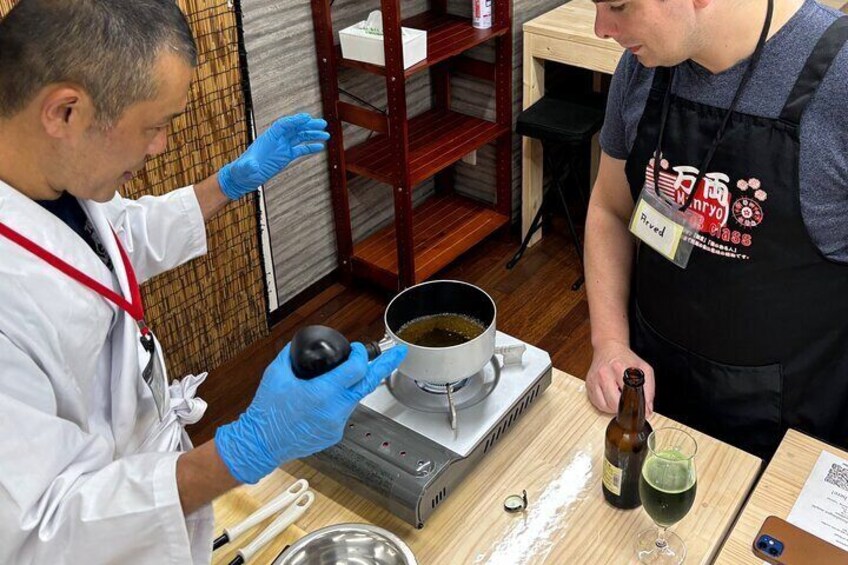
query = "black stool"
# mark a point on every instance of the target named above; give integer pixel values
(564, 127)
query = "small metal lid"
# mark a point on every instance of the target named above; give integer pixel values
(516, 502)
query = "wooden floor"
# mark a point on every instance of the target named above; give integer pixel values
(535, 303)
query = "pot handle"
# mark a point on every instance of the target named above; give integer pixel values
(512, 354)
(375, 348)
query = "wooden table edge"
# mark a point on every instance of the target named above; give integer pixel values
(788, 450)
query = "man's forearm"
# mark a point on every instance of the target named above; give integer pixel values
(202, 476)
(609, 260)
(210, 197)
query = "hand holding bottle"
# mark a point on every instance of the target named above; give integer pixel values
(604, 380)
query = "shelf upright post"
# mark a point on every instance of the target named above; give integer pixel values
(440, 77)
(503, 103)
(328, 76)
(399, 141)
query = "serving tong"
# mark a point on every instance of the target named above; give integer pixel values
(291, 505)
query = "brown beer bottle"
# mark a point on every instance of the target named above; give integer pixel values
(626, 444)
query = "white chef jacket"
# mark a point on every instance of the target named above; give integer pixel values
(87, 469)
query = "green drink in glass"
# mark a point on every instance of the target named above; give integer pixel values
(667, 488)
(669, 503)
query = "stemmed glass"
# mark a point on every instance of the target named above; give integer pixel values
(667, 488)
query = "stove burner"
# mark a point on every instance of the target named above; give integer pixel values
(428, 397)
(442, 389)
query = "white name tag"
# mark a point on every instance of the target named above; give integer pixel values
(661, 233)
(662, 226)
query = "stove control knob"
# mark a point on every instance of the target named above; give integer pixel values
(423, 468)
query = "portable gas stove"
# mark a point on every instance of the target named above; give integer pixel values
(409, 444)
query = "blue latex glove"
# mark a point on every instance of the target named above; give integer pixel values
(291, 418)
(289, 138)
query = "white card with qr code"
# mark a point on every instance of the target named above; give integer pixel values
(822, 506)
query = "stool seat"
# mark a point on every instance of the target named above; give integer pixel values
(561, 121)
(569, 126)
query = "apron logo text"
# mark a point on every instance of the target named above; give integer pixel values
(717, 201)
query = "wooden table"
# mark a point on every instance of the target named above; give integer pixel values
(555, 452)
(775, 494)
(564, 35)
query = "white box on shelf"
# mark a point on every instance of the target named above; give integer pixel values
(364, 42)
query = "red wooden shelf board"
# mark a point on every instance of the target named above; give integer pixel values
(437, 139)
(444, 228)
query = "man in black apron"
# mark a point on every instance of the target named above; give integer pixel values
(747, 337)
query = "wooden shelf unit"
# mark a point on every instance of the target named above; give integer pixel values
(409, 150)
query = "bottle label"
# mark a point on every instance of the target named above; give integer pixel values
(612, 477)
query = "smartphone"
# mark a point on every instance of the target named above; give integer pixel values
(782, 543)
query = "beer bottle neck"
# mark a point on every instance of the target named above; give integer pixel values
(631, 407)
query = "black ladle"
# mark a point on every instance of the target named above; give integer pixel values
(316, 350)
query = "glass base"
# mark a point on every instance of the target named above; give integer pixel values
(648, 550)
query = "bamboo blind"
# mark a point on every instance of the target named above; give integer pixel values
(210, 309)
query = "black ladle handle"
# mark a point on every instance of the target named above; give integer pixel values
(373, 349)
(316, 350)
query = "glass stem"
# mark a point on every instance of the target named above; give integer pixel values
(661, 543)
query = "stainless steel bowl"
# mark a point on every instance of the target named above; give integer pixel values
(351, 544)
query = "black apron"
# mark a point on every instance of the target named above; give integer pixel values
(752, 337)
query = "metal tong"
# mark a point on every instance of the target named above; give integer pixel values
(291, 504)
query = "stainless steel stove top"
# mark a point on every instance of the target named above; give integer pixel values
(480, 403)
(400, 450)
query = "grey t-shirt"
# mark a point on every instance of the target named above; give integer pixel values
(824, 126)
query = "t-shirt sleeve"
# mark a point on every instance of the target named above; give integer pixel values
(824, 163)
(613, 138)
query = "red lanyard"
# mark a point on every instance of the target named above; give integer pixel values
(134, 308)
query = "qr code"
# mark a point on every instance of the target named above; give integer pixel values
(838, 476)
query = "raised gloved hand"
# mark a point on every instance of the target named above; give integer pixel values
(289, 138)
(291, 418)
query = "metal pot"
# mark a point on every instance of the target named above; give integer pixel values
(442, 365)
(348, 543)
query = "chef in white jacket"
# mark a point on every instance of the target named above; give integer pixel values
(94, 464)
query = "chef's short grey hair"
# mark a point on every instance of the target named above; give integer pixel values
(106, 47)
